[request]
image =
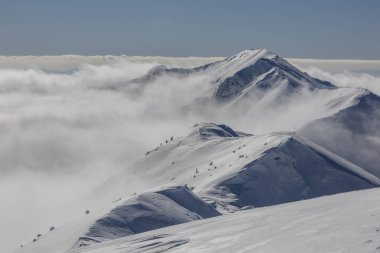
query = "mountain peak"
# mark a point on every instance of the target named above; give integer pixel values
(260, 70)
(250, 56)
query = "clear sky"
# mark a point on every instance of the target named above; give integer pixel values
(292, 28)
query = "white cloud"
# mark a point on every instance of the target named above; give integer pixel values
(348, 78)
(61, 133)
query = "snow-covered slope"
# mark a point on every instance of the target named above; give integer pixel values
(242, 170)
(352, 133)
(148, 211)
(258, 71)
(233, 170)
(346, 222)
(229, 170)
(160, 207)
(258, 84)
(250, 71)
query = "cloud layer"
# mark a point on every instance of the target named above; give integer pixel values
(348, 78)
(63, 132)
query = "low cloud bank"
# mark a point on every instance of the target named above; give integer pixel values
(348, 78)
(65, 131)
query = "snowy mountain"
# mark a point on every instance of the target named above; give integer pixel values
(227, 170)
(252, 71)
(355, 132)
(235, 170)
(302, 139)
(258, 84)
(148, 211)
(246, 72)
(346, 222)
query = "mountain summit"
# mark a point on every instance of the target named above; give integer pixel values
(260, 70)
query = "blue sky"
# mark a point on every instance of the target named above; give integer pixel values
(292, 28)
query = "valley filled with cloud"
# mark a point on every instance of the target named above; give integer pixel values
(67, 129)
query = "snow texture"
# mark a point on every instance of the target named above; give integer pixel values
(346, 222)
(148, 211)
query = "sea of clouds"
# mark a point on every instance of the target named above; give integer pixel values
(67, 123)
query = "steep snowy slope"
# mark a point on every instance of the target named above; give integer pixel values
(229, 170)
(353, 133)
(233, 170)
(335, 118)
(346, 222)
(165, 206)
(259, 71)
(258, 84)
(250, 71)
(148, 211)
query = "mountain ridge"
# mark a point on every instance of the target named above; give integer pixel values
(224, 170)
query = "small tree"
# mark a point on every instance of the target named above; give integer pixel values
(87, 212)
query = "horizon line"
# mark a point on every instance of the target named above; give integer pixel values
(353, 60)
